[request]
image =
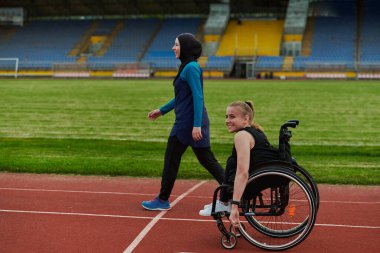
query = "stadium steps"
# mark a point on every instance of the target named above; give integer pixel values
(200, 31)
(288, 63)
(82, 59)
(84, 41)
(359, 21)
(369, 36)
(115, 31)
(6, 33)
(308, 37)
(150, 41)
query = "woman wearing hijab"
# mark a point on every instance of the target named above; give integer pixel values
(191, 126)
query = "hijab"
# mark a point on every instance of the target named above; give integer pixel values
(190, 50)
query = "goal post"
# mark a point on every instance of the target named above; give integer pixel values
(9, 67)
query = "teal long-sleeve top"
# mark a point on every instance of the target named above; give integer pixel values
(192, 75)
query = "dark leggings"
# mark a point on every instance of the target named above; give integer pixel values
(225, 193)
(173, 155)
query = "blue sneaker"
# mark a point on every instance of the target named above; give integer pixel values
(156, 204)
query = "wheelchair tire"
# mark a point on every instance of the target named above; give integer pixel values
(303, 174)
(307, 178)
(281, 230)
(277, 232)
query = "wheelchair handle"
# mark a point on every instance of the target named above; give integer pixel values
(290, 123)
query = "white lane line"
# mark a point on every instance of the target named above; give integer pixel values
(349, 202)
(75, 214)
(148, 227)
(153, 194)
(151, 218)
(72, 191)
(347, 226)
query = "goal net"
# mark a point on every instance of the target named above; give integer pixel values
(9, 67)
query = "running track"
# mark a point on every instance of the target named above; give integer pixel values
(53, 213)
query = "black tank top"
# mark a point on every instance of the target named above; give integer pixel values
(261, 152)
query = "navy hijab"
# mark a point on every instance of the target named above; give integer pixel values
(190, 50)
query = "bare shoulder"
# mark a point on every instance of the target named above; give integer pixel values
(242, 136)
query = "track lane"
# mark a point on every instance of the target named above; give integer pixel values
(103, 214)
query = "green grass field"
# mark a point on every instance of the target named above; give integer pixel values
(100, 126)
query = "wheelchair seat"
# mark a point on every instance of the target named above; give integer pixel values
(266, 182)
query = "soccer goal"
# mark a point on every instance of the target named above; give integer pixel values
(9, 67)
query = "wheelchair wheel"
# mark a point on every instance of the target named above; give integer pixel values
(302, 174)
(281, 212)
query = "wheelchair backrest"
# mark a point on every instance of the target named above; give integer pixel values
(284, 140)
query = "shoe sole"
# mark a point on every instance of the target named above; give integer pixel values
(223, 213)
(156, 209)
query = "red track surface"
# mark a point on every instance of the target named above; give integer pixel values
(51, 213)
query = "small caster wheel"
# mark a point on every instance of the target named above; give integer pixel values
(236, 231)
(229, 241)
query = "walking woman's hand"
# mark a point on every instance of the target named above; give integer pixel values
(154, 114)
(197, 133)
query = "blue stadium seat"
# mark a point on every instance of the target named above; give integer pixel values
(334, 39)
(41, 43)
(269, 62)
(160, 55)
(224, 63)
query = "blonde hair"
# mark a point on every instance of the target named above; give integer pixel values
(247, 108)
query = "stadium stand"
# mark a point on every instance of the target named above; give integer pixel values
(159, 54)
(369, 50)
(41, 43)
(334, 37)
(339, 35)
(251, 38)
(129, 44)
(270, 62)
(219, 62)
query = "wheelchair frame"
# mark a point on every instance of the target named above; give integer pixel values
(279, 195)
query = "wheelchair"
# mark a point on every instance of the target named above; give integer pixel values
(280, 202)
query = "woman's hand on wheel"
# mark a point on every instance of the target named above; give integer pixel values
(197, 133)
(234, 216)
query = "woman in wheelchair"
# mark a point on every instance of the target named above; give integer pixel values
(279, 199)
(251, 147)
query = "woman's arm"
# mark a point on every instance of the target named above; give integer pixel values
(244, 142)
(192, 74)
(167, 107)
(154, 114)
